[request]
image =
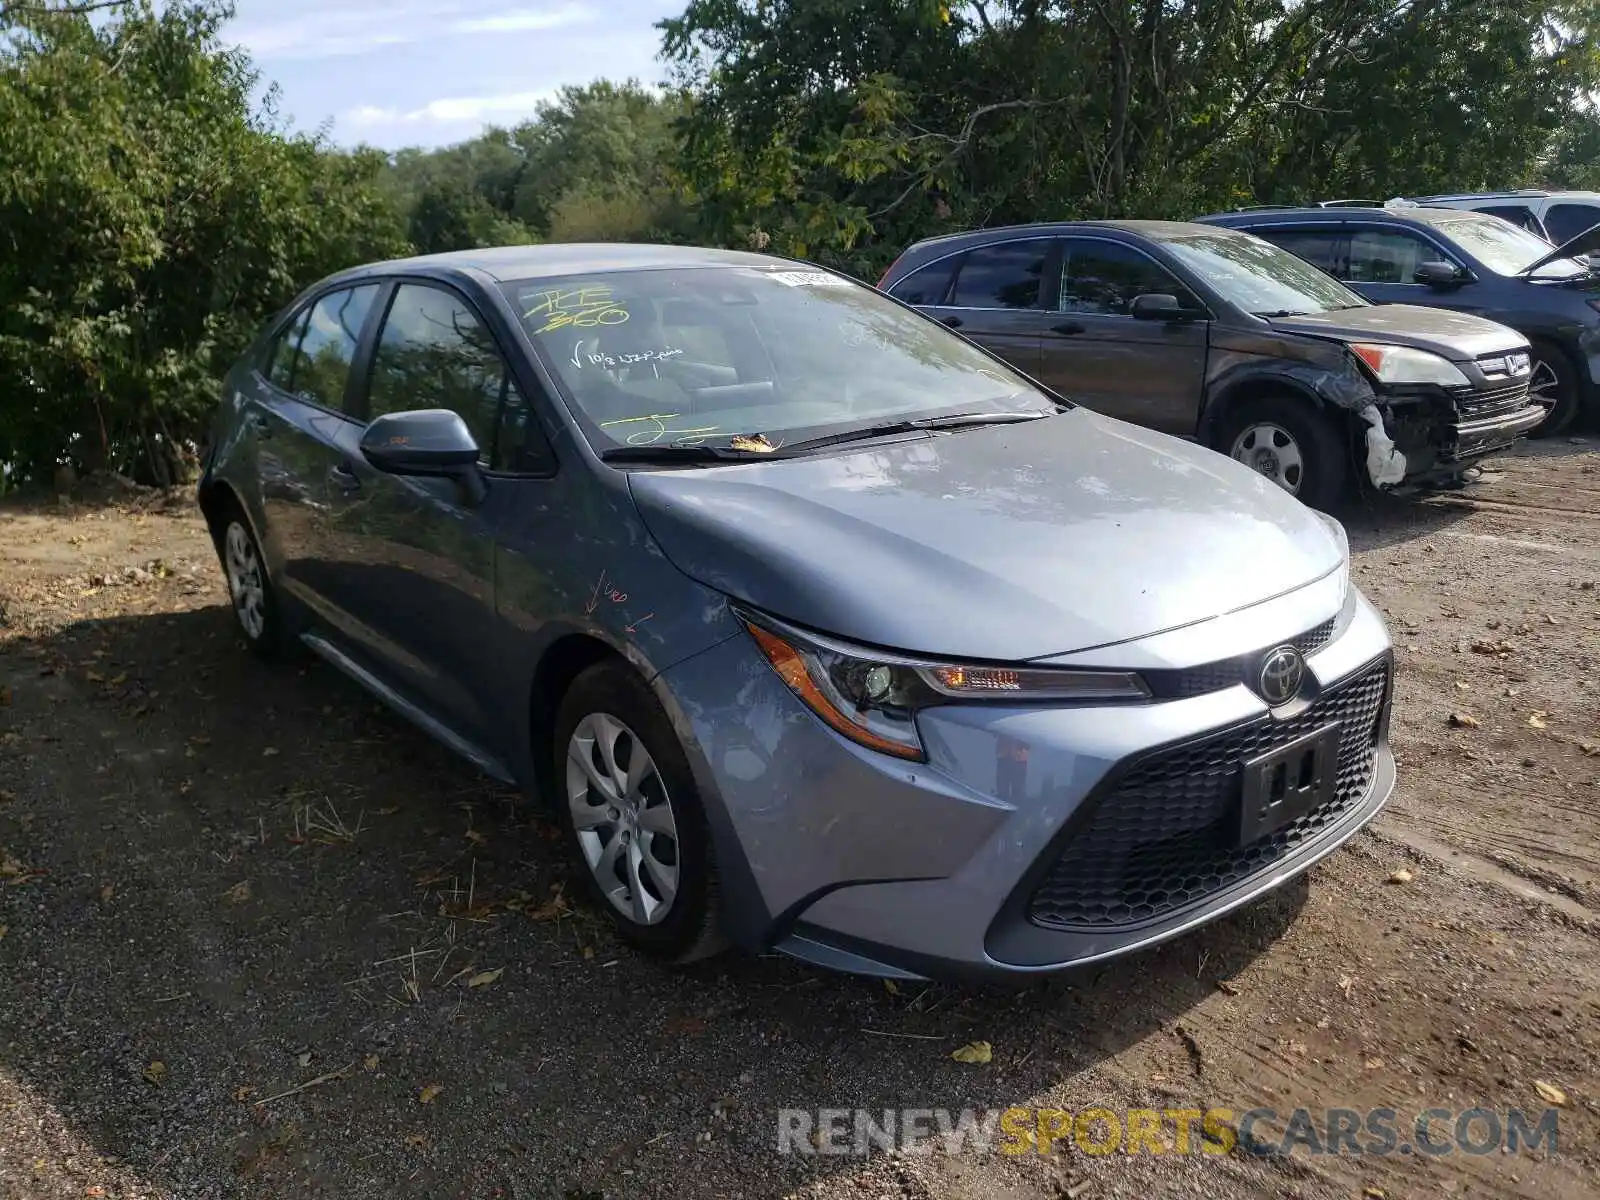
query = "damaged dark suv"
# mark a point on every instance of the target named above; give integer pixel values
(1220, 336)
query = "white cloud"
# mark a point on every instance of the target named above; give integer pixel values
(362, 30)
(453, 110)
(522, 20)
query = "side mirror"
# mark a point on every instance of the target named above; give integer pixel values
(428, 441)
(1439, 275)
(1158, 306)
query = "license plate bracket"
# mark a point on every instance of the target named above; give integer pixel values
(1285, 784)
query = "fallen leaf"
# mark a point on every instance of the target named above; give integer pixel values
(94, 1189)
(1463, 685)
(7, 797)
(430, 1093)
(974, 1052)
(387, 812)
(1537, 719)
(1550, 1093)
(106, 892)
(891, 987)
(1401, 875)
(370, 1062)
(1463, 720)
(239, 892)
(554, 907)
(485, 978)
(243, 1092)
(588, 952)
(270, 752)
(416, 1139)
(1346, 982)
(1296, 1048)
(94, 677)
(1374, 1064)
(1228, 987)
(4, 929)
(5, 696)
(303, 1058)
(757, 443)
(1374, 1193)
(155, 1072)
(476, 838)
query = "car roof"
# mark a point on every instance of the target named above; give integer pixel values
(1520, 194)
(1156, 230)
(512, 264)
(1411, 214)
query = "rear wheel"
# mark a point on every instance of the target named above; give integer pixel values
(255, 602)
(633, 818)
(1298, 446)
(1554, 386)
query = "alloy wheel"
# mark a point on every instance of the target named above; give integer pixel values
(245, 581)
(1544, 387)
(623, 818)
(1271, 450)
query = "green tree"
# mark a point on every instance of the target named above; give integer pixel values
(150, 217)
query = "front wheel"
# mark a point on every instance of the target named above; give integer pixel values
(632, 816)
(1298, 446)
(1553, 385)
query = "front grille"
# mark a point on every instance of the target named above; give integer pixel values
(1182, 683)
(1165, 837)
(1491, 402)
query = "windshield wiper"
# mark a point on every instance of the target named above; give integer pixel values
(916, 425)
(1283, 312)
(680, 454)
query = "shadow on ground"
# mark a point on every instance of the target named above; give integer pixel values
(259, 880)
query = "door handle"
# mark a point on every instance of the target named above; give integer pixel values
(343, 477)
(1067, 327)
(953, 322)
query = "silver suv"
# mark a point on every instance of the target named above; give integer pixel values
(1556, 216)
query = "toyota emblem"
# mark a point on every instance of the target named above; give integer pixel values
(1282, 672)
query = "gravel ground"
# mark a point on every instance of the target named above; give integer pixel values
(260, 938)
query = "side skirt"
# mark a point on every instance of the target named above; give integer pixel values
(471, 751)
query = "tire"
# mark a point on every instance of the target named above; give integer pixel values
(1292, 441)
(1554, 377)
(627, 853)
(256, 608)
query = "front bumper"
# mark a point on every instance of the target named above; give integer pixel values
(974, 863)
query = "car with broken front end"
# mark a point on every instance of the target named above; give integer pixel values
(1222, 337)
(819, 628)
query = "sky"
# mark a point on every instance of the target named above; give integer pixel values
(431, 72)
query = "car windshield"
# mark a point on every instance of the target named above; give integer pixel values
(1504, 248)
(711, 356)
(1259, 277)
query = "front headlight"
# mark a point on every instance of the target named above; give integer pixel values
(1402, 364)
(873, 698)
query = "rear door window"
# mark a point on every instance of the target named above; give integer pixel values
(318, 367)
(928, 285)
(1567, 221)
(1007, 275)
(1319, 247)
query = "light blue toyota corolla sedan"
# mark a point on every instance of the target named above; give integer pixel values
(820, 628)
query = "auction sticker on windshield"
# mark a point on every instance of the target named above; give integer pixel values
(807, 278)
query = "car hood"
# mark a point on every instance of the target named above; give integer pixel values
(1004, 542)
(1457, 336)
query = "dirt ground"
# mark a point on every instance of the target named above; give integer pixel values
(259, 938)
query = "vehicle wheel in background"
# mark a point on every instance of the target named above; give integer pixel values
(632, 816)
(255, 603)
(1294, 443)
(1554, 384)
